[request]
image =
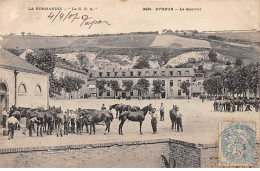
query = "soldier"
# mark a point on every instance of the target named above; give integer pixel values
(162, 112)
(12, 121)
(4, 114)
(103, 107)
(72, 116)
(179, 122)
(30, 125)
(79, 122)
(154, 120)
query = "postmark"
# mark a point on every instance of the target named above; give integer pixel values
(237, 143)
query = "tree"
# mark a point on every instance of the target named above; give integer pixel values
(239, 62)
(128, 84)
(212, 55)
(158, 87)
(142, 86)
(185, 87)
(100, 84)
(115, 86)
(143, 63)
(43, 60)
(228, 63)
(83, 60)
(55, 87)
(46, 61)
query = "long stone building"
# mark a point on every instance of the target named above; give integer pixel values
(171, 78)
(21, 84)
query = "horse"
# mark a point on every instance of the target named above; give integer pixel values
(138, 116)
(97, 116)
(133, 108)
(173, 116)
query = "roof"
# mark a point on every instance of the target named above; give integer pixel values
(12, 62)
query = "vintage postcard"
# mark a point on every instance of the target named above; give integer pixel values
(129, 83)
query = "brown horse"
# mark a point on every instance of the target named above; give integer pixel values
(138, 116)
(173, 116)
(97, 116)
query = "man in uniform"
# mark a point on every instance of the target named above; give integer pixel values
(12, 121)
(4, 114)
(73, 117)
(162, 112)
(154, 120)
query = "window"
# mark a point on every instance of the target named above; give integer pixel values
(163, 73)
(100, 74)
(132, 73)
(163, 82)
(131, 93)
(171, 83)
(155, 73)
(108, 74)
(179, 92)
(22, 88)
(115, 73)
(171, 73)
(146, 73)
(139, 73)
(187, 80)
(187, 72)
(108, 84)
(108, 93)
(179, 83)
(179, 73)
(38, 89)
(123, 74)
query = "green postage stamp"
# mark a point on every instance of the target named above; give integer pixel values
(237, 143)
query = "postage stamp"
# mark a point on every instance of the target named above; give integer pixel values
(237, 143)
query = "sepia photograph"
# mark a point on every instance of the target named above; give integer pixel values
(129, 84)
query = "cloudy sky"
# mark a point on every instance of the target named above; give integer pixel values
(127, 16)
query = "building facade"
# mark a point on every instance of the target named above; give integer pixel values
(171, 78)
(197, 86)
(22, 84)
(65, 68)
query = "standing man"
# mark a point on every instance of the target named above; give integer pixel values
(73, 117)
(179, 122)
(154, 120)
(103, 107)
(162, 112)
(4, 114)
(12, 121)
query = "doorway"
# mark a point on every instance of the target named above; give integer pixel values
(3, 96)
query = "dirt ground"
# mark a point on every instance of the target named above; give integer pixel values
(200, 123)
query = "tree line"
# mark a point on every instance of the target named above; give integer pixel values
(234, 80)
(141, 86)
(46, 61)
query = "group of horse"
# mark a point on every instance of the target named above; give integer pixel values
(54, 118)
(230, 105)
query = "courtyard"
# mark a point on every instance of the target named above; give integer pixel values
(200, 123)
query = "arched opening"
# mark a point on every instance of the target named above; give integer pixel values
(22, 88)
(38, 89)
(3, 96)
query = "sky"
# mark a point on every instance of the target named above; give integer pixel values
(123, 16)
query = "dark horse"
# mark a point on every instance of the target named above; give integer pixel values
(138, 116)
(119, 108)
(98, 116)
(173, 116)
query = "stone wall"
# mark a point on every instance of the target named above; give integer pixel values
(141, 154)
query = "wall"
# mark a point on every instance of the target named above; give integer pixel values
(143, 154)
(30, 81)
